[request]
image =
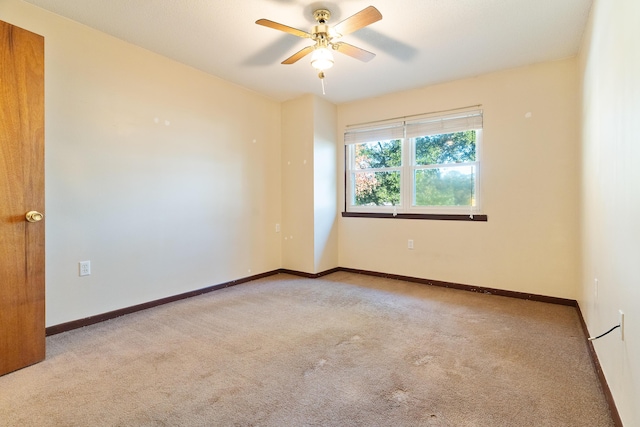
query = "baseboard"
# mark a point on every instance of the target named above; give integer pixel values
(469, 288)
(598, 368)
(75, 324)
(309, 275)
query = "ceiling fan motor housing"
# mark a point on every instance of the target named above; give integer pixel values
(320, 32)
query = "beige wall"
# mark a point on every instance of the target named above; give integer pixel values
(166, 178)
(610, 71)
(309, 199)
(530, 187)
(325, 186)
(297, 184)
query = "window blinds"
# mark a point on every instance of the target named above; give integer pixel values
(374, 134)
(423, 126)
(444, 124)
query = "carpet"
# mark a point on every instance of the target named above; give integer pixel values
(342, 350)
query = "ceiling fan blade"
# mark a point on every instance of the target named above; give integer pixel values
(361, 19)
(298, 55)
(285, 28)
(354, 52)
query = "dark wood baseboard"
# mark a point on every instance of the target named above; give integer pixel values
(309, 275)
(470, 288)
(75, 324)
(598, 368)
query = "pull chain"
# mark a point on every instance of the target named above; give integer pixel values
(321, 75)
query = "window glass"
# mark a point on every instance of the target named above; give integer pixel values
(451, 186)
(445, 169)
(446, 148)
(376, 176)
(377, 188)
(381, 154)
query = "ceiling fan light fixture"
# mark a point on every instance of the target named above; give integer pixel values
(322, 59)
(323, 34)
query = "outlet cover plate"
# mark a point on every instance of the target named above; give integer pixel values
(85, 268)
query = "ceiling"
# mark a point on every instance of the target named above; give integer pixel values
(417, 43)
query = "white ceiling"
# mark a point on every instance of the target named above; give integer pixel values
(418, 42)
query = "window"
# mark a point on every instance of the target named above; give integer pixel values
(428, 165)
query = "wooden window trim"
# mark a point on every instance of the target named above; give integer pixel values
(437, 217)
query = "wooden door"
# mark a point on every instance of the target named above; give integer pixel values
(22, 323)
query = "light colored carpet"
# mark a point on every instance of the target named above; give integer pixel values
(343, 350)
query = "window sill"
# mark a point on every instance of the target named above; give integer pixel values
(437, 217)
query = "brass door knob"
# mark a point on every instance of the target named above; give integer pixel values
(34, 216)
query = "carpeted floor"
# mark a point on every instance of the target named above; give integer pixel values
(343, 350)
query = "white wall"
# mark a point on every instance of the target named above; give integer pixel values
(610, 70)
(530, 187)
(166, 178)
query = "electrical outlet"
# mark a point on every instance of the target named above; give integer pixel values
(410, 244)
(277, 228)
(621, 314)
(595, 287)
(85, 268)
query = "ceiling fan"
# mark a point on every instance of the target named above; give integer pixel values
(326, 36)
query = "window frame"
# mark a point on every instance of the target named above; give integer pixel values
(407, 207)
(412, 208)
